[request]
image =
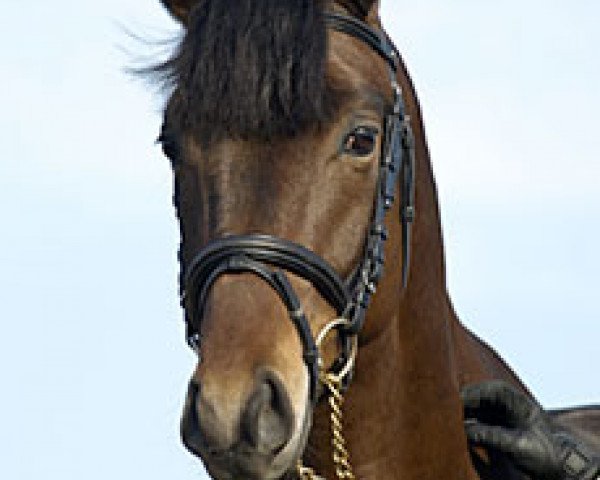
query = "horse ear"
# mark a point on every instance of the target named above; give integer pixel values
(180, 9)
(363, 9)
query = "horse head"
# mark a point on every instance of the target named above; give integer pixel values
(289, 142)
(275, 127)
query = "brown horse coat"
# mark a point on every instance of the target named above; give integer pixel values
(403, 411)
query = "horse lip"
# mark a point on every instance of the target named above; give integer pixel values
(241, 462)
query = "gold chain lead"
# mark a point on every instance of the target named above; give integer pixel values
(333, 383)
(341, 457)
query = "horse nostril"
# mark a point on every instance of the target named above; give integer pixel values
(268, 420)
(190, 431)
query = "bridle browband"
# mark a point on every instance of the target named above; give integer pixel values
(270, 257)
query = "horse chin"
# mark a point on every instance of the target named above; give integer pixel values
(243, 463)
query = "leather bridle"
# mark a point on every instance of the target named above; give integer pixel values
(270, 257)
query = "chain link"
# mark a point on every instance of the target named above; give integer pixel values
(340, 455)
(306, 473)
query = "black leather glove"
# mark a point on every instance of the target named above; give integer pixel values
(500, 417)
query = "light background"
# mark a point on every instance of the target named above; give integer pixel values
(93, 366)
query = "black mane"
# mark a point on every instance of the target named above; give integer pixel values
(249, 68)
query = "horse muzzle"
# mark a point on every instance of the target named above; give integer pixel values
(263, 441)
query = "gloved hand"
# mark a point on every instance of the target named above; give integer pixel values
(500, 417)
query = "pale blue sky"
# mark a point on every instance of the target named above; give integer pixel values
(92, 357)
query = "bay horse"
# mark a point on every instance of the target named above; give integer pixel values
(291, 128)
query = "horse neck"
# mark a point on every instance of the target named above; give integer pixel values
(403, 414)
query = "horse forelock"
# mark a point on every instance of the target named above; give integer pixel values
(250, 69)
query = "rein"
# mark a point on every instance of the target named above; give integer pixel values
(270, 257)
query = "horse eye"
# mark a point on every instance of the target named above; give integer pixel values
(361, 142)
